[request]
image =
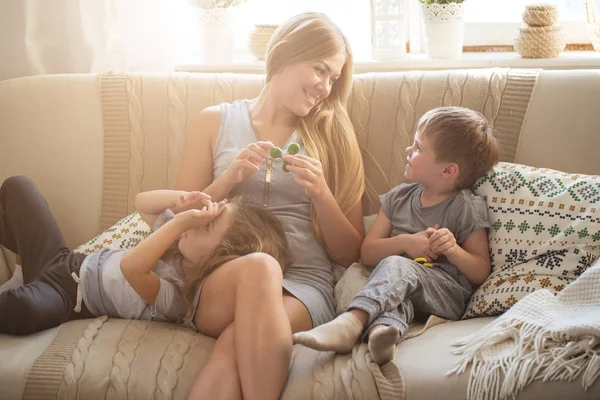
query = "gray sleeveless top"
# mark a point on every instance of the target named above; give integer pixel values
(310, 277)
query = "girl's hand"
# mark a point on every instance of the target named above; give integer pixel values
(195, 218)
(442, 241)
(248, 161)
(308, 173)
(193, 199)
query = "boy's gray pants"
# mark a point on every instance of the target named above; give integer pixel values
(400, 286)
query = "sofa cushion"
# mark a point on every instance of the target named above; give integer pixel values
(545, 233)
(350, 280)
(128, 232)
(127, 359)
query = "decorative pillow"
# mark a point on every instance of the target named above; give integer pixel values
(545, 233)
(125, 234)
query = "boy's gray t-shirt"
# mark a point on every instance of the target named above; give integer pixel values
(106, 291)
(462, 213)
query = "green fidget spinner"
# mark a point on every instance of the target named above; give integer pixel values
(276, 152)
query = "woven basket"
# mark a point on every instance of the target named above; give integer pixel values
(259, 40)
(540, 42)
(540, 15)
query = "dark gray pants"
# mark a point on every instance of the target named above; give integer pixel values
(399, 287)
(28, 228)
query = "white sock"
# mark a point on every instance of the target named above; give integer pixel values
(382, 343)
(339, 335)
(15, 281)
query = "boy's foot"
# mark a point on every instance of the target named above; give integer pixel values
(339, 335)
(382, 344)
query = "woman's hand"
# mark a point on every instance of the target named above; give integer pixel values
(248, 161)
(195, 218)
(308, 173)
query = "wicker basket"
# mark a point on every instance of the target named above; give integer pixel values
(259, 40)
(540, 15)
(540, 42)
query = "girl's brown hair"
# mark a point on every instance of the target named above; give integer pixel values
(462, 136)
(253, 229)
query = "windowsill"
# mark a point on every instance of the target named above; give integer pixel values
(566, 60)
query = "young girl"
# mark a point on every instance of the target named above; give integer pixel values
(159, 279)
(436, 220)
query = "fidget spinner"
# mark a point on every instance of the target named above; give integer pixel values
(423, 262)
(276, 152)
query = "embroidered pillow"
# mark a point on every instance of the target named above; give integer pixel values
(545, 232)
(125, 234)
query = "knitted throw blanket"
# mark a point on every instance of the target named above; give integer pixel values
(540, 337)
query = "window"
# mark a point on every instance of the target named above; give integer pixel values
(488, 23)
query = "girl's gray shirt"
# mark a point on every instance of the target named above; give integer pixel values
(106, 291)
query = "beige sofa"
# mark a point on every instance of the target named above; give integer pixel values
(91, 142)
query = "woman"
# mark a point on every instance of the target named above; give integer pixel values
(309, 74)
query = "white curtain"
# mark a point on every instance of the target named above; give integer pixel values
(81, 36)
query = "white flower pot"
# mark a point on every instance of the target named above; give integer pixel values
(217, 26)
(444, 29)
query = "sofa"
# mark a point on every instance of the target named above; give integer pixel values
(92, 141)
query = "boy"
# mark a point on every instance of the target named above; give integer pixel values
(435, 220)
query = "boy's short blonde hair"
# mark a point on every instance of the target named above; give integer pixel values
(462, 136)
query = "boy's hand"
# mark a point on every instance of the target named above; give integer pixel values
(442, 241)
(420, 246)
(193, 200)
(195, 218)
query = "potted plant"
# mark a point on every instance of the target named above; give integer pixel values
(444, 27)
(217, 24)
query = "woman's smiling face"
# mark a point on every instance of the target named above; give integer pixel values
(301, 86)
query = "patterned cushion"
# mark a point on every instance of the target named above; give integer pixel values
(545, 233)
(125, 234)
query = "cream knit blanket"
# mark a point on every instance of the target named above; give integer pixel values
(541, 337)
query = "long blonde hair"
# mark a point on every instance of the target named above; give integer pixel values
(253, 229)
(327, 132)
